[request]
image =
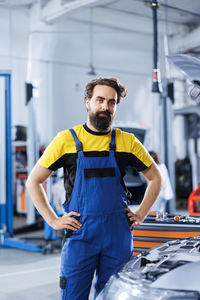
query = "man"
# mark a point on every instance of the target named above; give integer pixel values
(94, 158)
(166, 192)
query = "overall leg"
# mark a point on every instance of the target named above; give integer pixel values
(78, 262)
(118, 249)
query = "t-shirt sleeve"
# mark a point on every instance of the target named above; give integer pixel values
(51, 158)
(144, 160)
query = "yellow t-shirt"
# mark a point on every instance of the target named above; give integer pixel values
(62, 152)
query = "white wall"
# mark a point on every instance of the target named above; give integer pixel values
(5, 39)
(59, 62)
(14, 28)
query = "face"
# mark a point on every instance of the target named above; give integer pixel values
(101, 108)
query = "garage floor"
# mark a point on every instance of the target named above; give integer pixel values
(29, 276)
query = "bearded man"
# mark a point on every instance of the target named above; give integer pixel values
(97, 221)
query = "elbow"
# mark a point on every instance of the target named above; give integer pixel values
(30, 182)
(159, 180)
(156, 177)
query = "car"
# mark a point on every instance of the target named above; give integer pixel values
(170, 271)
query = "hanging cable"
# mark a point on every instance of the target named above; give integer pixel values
(156, 86)
(166, 43)
(92, 70)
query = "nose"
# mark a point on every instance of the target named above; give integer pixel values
(105, 105)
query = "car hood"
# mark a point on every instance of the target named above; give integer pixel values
(168, 271)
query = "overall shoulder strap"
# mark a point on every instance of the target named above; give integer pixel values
(112, 143)
(79, 146)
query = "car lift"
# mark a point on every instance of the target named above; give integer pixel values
(6, 191)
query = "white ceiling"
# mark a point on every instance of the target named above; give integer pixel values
(175, 11)
(17, 2)
(128, 16)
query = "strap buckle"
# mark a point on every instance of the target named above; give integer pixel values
(112, 147)
(79, 147)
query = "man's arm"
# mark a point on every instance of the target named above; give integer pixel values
(39, 197)
(152, 174)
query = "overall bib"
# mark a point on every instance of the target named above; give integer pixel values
(104, 242)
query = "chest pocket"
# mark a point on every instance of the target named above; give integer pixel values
(99, 172)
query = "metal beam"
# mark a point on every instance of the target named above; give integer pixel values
(186, 42)
(176, 8)
(188, 110)
(56, 8)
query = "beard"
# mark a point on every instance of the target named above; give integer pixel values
(101, 120)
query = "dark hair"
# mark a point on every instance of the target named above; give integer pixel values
(112, 82)
(155, 157)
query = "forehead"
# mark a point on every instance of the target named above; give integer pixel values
(104, 91)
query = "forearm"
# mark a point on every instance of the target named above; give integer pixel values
(150, 197)
(40, 201)
(38, 195)
(153, 177)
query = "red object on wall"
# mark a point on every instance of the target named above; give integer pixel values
(194, 203)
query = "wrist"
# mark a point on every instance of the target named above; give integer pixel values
(140, 216)
(52, 221)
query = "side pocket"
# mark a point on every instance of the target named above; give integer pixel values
(63, 281)
(69, 231)
(63, 288)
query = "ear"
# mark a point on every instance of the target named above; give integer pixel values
(87, 103)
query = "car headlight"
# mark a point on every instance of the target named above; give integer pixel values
(121, 287)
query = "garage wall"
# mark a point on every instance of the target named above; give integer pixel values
(63, 60)
(13, 56)
(5, 41)
(59, 64)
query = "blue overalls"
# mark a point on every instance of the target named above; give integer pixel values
(104, 241)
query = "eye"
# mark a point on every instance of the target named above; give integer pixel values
(99, 100)
(112, 102)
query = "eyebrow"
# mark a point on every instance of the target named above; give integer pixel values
(100, 97)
